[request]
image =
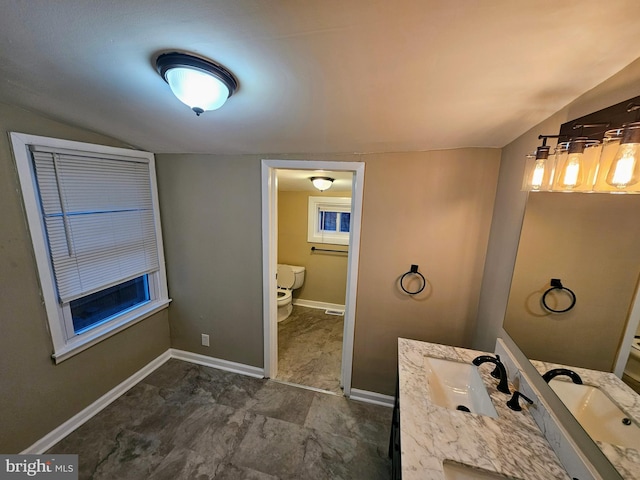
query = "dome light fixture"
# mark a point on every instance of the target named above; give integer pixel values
(322, 183)
(200, 84)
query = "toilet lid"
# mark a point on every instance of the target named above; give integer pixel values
(286, 277)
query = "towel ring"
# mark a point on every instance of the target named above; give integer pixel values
(556, 284)
(413, 271)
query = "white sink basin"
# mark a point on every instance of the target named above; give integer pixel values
(457, 471)
(602, 419)
(457, 386)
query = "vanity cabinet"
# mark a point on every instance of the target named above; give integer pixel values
(394, 441)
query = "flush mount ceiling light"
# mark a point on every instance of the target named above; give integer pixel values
(198, 83)
(322, 183)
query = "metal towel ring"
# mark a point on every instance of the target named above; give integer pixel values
(413, 271)
(556, 284)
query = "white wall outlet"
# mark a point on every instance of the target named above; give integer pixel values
(205, 340)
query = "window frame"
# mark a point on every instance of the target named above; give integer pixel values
(330, 204)
(59, 316)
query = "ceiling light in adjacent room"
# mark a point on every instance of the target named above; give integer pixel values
(200, 84)
(322, 183)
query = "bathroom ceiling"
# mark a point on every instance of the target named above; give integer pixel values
(315, 76)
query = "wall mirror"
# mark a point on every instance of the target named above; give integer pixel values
(590, 242)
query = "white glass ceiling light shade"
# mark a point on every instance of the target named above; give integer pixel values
(322, 183)
(198, 83)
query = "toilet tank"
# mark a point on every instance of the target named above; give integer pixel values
(290, 276)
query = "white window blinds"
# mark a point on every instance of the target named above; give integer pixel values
(99, 218)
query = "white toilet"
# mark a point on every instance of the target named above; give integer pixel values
(289, 278)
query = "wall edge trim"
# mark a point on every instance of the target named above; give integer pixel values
(319, 305)
(60, 432)
(218, 363)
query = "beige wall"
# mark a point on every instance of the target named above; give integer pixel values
(432, 209)
(37, 396)
(510, 201)
(211, 220)
(590, 242)
(325, 273)
(429, 208)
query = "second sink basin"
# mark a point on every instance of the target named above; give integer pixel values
(457, 386)
(602, 419)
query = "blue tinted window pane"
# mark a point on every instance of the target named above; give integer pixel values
(91, 310)
(328, 221)
(344, 222)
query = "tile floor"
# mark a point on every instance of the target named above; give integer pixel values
(310, 349)
(186, 421)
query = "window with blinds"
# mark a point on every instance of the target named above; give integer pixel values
(329, 220)
(98, 215)
(93, 217)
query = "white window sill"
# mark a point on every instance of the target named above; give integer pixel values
(80, 343)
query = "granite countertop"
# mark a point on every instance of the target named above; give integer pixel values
(626, 460)
(511, 444)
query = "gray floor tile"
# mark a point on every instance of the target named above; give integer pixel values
(362, 421)
(283, 402)
(192, 422)
(310, 348)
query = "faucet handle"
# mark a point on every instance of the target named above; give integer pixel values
(514, 404)
(496, 371)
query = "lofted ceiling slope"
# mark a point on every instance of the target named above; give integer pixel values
(315, 76)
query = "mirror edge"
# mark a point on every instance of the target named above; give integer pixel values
(589, 451)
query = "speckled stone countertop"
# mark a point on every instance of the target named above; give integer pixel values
(626, 460)
(511, 444)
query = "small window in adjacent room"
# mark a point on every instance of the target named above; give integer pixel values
(94, 222)
(329, 220)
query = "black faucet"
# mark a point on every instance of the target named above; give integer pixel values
(554, 372)
(498, 372)
(514, 404)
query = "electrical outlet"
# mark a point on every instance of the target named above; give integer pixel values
(205, 340)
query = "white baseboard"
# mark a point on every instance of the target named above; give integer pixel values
(53, 437)
(217, 363)
(320, 305)
(372, 397)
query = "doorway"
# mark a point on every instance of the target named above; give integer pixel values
(270, 258)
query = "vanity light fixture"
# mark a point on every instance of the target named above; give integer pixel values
(603, 158)
(200, 84)
(322, 183)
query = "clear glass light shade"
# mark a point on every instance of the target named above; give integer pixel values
(197, 89)
(538, 174)
(610, 144)
(577, 166)
(620, 161)
(625, 168)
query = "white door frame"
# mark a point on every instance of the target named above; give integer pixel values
(270, 254)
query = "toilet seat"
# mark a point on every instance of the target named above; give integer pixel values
(284, 296)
